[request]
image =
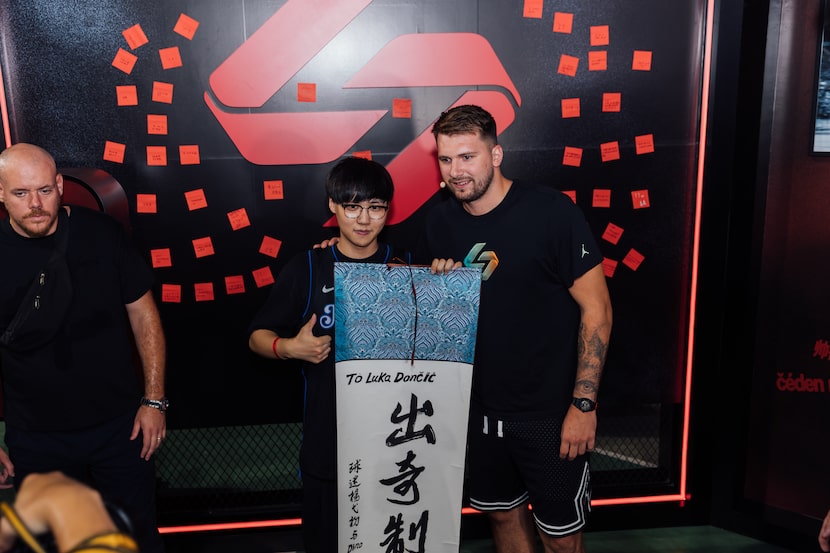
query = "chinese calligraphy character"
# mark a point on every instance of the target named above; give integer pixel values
(410, 433)
(405, 481)
(394, 530)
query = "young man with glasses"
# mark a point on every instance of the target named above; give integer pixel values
(297, 322)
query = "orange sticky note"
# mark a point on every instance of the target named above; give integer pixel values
(156, 124)
(633, 259)
(114, 151)
(639, 199)
(270, 246)
(644, 144)
(641, 61)
(203, 247)
(239, 219)
(599, 35)
(170, 57)
(162, 92)
(145, 203)
(306, 92)
(571, 194)
(235, 284)
(189, 154)
(568, 65)
(263, 277)
(533, 9)
(609, 267)
(570, 107)
(161, 258)
(365, 154)
(195, 199)
(124, 61)
(157, 156)
(186, 26)
(135, 36)
(611, 101)
(126, 95)
(597, 60)
(171, 293)
(612, 233)
(610, 151)
(402, 108)
(601, 198)
(203, 291)
(273, 189)
(572, 156)
(563, 22)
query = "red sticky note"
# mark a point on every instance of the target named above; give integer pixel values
(365, 154)
(612, 233)
(633, 259)
(161, 258)
(639, 199)
(611, 101)
(402, 108)
(273, 189)
(599, 35)
(156, 124)
(186, 26)
(235, 284)
(203, 247)
(189, 154)
(533, 9)
(195, 199)
(114, 151)
(157, 156)
(263, 277)
(145, 203)
(124, 61)
(171, 293)
(610, 151)
(570, 107)
(126, 95)
(641, 60)
(270, 246)
(162, 92)
(644, 144)
(601, 198)
(135, 36)
(306, 92)
(609, 266)
(563, 22)
(572, 156)
(203, 291)
(239, 219)
(597, 60)
(571, 194)
(568, 65)
(170, 57)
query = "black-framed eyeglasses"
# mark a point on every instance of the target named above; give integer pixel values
(375, 211)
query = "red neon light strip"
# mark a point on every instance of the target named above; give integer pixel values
(4, 112)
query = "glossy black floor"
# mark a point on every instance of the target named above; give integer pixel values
(691, 539)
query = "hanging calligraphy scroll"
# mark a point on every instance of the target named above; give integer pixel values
(404, 344)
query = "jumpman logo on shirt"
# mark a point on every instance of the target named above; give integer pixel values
(584, 251)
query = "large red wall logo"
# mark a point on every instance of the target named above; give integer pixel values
(292, 37)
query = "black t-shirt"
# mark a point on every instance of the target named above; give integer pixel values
(531, 248)
(86, 375)
(305, 286)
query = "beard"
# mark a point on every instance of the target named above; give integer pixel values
(475, 190)
(37, 230)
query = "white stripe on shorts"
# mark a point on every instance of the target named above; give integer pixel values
(579, 506)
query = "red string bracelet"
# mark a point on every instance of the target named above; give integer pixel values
(274, 347)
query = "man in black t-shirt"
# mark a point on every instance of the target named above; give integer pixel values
(297, 322)
(72, 401)
(543, 330)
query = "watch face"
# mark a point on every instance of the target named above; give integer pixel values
(584, 404)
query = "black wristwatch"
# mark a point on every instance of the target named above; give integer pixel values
(160, 404)
(584, 404)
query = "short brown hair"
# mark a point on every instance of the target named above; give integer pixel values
(467, 119)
